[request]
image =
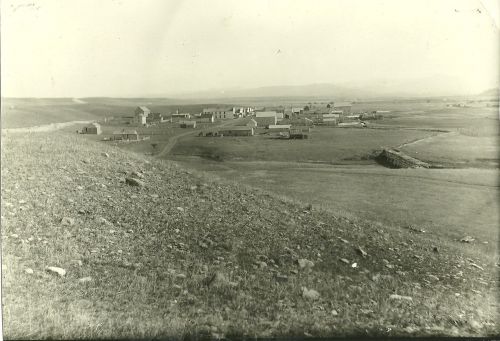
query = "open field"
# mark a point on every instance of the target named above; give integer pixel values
(28, 112)
(187, 256)
(458, 149)
(329, 145)
(447, 204)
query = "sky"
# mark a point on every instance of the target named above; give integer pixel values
(126, 48)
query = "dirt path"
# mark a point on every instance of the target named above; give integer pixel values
(422, 139)
(44, 128)
(171, 143)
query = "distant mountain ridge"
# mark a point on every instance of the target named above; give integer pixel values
(435, 86)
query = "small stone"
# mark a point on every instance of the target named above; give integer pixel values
(56, 270)
(66, 221)
(477, 266)
(389, 266)
(399, 297)
(434, 278)
(310, 294)
(334, 312)
(343, 260)
(467, 239)
(262, 265)
(180, 209)
(14, 235)
(138, 174)
(135, 182)
(181, 276)
(281, 278)
(85, 279)
(361, 252)
(105, 154)
(305, 263)
(475, 325)
(29, 271)
(354, 265)
(294, 272)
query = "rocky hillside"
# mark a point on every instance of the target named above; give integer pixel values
(99, 243)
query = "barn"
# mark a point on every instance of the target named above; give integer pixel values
(345, 107)
(237, 131)
(265, 118)
(141, 114)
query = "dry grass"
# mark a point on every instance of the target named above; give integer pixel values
(136, 291)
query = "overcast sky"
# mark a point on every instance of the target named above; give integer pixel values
(79, 48)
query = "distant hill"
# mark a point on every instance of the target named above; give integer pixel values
(490, 93)
(435, 86)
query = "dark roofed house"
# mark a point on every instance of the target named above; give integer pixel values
(94, 128)
(220, 113)
(187, 124)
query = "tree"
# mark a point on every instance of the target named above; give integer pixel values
(306, 108)
(328, 106)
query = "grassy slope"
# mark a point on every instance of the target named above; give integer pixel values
(447, 203)
(135, 258)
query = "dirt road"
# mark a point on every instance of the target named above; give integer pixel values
(44, 128)
(171, 143)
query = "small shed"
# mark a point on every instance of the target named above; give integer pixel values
(94, 128)
(128, 135)
(187, 124)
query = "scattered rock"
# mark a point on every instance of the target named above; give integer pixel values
(281, 278)
(399, 297)
(334, 312)
(66, 221)
(467, 239)
(434, 278)
(305, 264)
(310, 294)
(135, 182)
(343, 260)
(56, 270)
(354, 265)
(180, 209)
(361, 252)
(477, 266)
(262, 265)
(29, 271)
(218, 279)
(85, 279)
(138, 174)
(181, 276)
(105, 154)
